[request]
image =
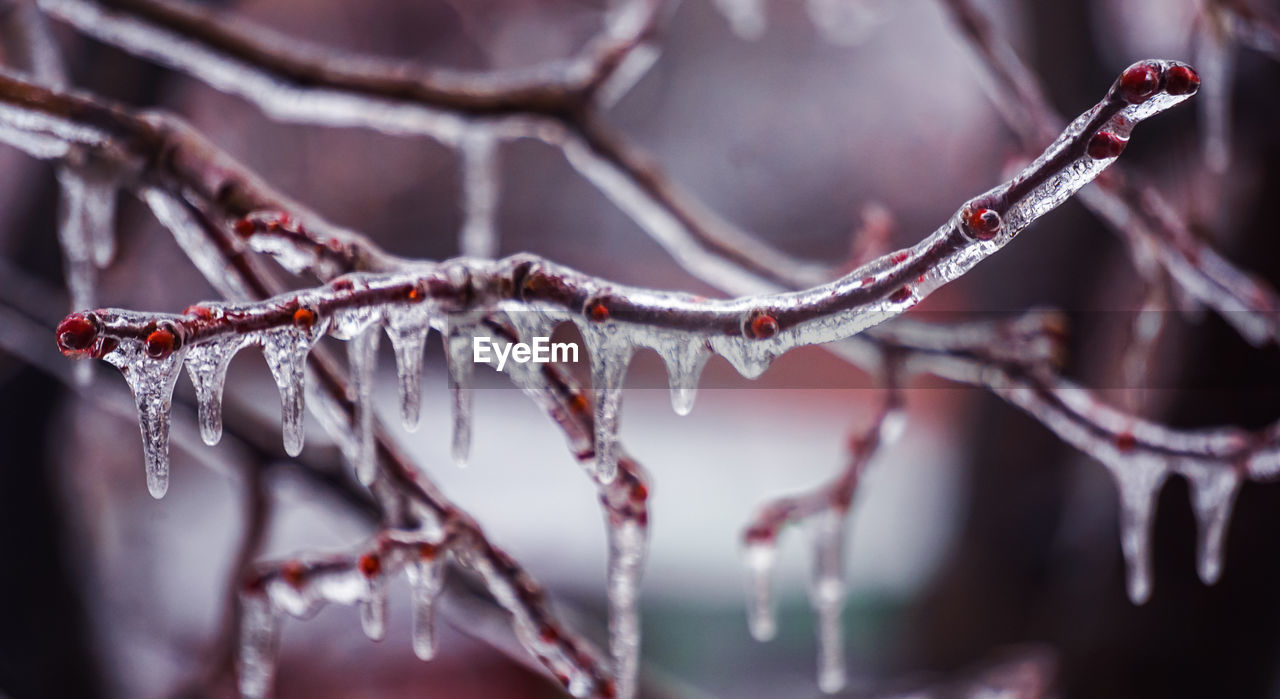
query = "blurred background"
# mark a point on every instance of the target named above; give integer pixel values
(979, 540)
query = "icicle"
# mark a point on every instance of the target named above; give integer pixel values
(373, 609)
(408, 329)
(363, 355)
(760, 558)
(1139, 482)
(479, 151)
(684, 366)
(1213, 494)
(609, 361)
(259, 638)
(207, 367)
(751, 358)
(152, 382)
(457, 347)
(86, 221)
(286, 351)
(746, 17)
(426, 580)
(627, 544)
(827, 597)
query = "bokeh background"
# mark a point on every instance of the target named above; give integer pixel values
(979, 539)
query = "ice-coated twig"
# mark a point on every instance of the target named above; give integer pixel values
(826, 508)
(1130, 207)
(750, 330)
(300, 587)
(556, 104)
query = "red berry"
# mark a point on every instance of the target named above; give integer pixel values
(982, 223)
(900, 295)
(578, 404)
(1181, 80)
(160, 343)
(1139, 82)
(762, 326)
(370, 565)
(639, 493)
(428, 552)
(304, 318)
(1105, 144)
(1125, 441)
(293, 573)
(77, 333)
(549, 635)
(244, 228)
(599, 313)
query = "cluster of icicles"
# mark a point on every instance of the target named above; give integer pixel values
(302, 589)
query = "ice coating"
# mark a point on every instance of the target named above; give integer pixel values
(685, 358)
(426, 581)
(1139, 484)
(1214, 462)
(478, 150)
(207, 367)
(373, 609)
(286, 350)
(362, 351)
(1213, 495)
(627, 545)
(458, 354)
(259, 639)
(152, 382)
(611, 352)
(826, 594)
(760, 558)
(408, 328)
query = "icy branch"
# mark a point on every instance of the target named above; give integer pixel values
(1133, 209)
(827, 509)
